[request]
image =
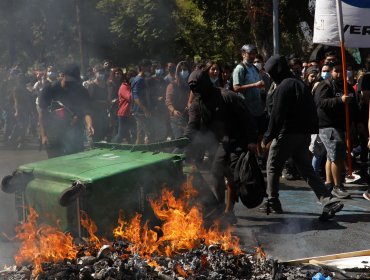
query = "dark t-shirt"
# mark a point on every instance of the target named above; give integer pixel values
(66, 102)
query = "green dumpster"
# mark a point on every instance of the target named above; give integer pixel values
(100, 182)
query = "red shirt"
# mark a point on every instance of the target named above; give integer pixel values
(124, 100)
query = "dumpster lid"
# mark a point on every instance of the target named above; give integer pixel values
(95, 164)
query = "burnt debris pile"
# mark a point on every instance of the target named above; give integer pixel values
(115, 261)
(179, 248)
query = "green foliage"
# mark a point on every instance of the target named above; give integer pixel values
(46, 31)
(147, 27)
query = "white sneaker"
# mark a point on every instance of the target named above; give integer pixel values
(352, 179)
(366, 195)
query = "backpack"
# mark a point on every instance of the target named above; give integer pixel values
(249, 180)
(231, 81)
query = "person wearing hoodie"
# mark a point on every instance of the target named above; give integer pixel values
(293, 119)
(219, 118)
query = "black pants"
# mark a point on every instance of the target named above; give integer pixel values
(223, 165)
(295, 146)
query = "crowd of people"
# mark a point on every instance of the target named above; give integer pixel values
(290, 113)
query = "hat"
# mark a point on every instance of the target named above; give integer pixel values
(249, 48)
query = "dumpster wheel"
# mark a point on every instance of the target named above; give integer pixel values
(71, 194)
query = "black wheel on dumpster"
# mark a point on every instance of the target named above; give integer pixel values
(71, 194)
(6, 185)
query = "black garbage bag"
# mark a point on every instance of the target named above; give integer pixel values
(249, 180)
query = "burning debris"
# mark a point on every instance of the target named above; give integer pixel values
(181, 248)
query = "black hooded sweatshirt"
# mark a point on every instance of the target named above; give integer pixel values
(293, 109)
(219, 111)
(330, 107)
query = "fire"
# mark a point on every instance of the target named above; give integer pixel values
(182, 229)
(94, 242)
(260, 252)
(142, 239)
(42, 243)
(181, 271)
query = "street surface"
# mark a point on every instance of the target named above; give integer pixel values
(295, 234)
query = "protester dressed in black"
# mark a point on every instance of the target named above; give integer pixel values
(64, 114)
(219, 119)
(293, 120)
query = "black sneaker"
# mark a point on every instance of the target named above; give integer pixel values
(329, 210)
(340, 192)
(271, 205)
(329, 186)
(289, 175)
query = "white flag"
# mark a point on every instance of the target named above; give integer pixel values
(356, 23)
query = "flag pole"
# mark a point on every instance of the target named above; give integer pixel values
(344, 71)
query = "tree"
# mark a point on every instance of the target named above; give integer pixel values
(147, 28)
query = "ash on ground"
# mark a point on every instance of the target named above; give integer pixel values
(114, 261)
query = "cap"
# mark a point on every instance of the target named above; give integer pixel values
(249, 48)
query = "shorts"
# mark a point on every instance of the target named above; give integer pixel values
(334, 142)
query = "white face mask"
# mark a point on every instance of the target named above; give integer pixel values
(184, 74)
(325, 75)
(214, 80)
(258, 65)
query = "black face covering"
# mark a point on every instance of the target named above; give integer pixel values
(200, 83)
(278, 69)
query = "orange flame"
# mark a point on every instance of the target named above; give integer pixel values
(42, 244)
(91, 228)
(180, 270)
(182, 227)
(260, 252)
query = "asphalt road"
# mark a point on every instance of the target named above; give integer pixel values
(10, 159)
(295, 234)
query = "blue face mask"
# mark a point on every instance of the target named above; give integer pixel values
(159, 72)
(325, 75)
(184, 74)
